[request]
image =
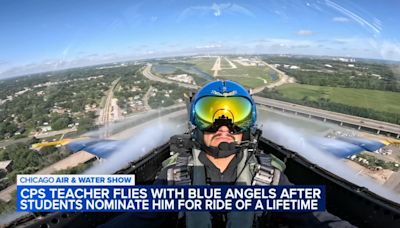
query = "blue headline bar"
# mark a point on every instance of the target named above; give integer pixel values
(170, 198)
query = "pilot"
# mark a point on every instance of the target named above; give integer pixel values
(221, 149)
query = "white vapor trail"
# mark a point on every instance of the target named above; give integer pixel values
(355, 17)
(291, 139)
(145, 138)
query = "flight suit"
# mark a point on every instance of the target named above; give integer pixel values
(213, 176)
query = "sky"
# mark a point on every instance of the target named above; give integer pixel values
(43, 35)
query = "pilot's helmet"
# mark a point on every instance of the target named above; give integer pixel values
(223, 103)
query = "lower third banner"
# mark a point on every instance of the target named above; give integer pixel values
(50, 198)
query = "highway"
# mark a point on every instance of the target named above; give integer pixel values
(283, 78)
(147, 73)
(7, 142)
(360, 122)
(217, 66)
(54, 133)
(105, 116)
(146, 98)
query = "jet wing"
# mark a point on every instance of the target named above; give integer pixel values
(367, 144)
(343, 147)
(102, 148)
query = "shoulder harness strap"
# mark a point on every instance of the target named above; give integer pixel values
(268, 171)
(184, 163)
(245, 167)
(186, 170)
(179, 174)
(179, 163)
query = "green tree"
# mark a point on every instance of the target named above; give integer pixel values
(60, 123)
(85, 124)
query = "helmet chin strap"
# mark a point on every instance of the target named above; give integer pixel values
(223, 150)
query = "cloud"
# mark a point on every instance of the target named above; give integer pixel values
(372, 27)
(65, 52)
(61, 63)
(369, 47)
(340, 19)
(209, 46)
(305, 33)
(273, 45)
(389, 49)
(148, 52)
(235, 8)
(281, 14)
(3, 62)
(215, 9)
(365, 47)
(350, 40)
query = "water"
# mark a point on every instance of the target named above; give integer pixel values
(164, 69)
(274, 75)
(197, 71)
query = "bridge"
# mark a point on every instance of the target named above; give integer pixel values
(378, 127)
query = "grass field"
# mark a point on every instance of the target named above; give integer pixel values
(373, 99)
(224, 63)
(260, 74)
(248, 71)
(245, 81)
(204, 64)
(249, 76)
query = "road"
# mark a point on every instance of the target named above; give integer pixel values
(54, 133)
(339, 117)
(146, 98)
(217, 66)
(106, 114)
(147, 73)
(233, 66)
(8, 142)
(283, 79)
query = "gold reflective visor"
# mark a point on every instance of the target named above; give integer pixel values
(236, 109)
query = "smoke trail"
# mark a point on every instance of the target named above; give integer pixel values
(291, 139)
(133, 120)
(145, 138)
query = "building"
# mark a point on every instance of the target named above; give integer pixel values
(5, 167)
